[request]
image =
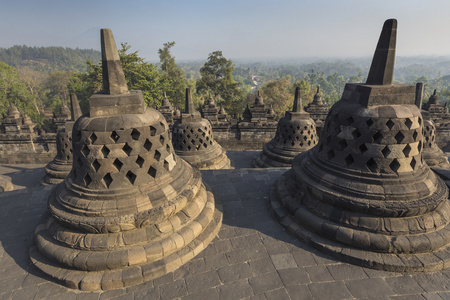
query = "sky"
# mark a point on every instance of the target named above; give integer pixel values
(241, 29)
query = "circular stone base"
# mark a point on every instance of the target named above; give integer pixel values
(56, 172)
(133, 275)
(419, 262)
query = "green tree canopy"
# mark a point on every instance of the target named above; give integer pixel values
(217, 78)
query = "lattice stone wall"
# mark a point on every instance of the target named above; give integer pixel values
(194, 136)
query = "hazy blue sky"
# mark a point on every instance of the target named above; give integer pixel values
(258, 29)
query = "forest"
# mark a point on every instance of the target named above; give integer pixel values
(39, 79)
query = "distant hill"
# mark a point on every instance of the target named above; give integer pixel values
(47, 59)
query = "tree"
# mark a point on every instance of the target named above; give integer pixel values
(34, 81)
(217, 78)
(173, 78)
(12, 90)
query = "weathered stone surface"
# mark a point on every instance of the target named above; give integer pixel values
(193, 140)
(130, 210)
(296, 133)
(364, 194)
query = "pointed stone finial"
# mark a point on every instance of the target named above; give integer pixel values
(165, 101)
(318, 97)
(298, 105)
(222, 110)
(419, 94)
(259, 100)
(382, 68)
(189, 107)
(114, 82)
(434, 92)
(76, 110)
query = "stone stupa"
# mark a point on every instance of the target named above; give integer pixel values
(59, 168)
(296, 133)
(130, 210)
(364, 195)
(193, 140)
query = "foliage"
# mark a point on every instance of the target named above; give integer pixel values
(217, 79)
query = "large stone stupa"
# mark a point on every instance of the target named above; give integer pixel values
(193, 140)
(364, 194)
(130, 210)
(59, 168)
(296, 133)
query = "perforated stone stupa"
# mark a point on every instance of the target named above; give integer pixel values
(59, 168)
(130, 210)
(193, 140)
(296, 133)
(364, 194)
(432, 154)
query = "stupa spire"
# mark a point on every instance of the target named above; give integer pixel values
(114, 82)
(189, 109)
(382, 67)
(298, 105)
(76, 110)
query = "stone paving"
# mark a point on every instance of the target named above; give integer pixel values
(252, 258)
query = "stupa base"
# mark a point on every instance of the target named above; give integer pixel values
(395, 262)
(129, 276)
(56, 172)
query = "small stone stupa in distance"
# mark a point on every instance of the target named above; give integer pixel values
(130, 210)
(364, 194)
(58, 169)
(193, 140)
(296, 133)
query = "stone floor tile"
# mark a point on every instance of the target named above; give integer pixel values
(235, 290)
(369, 287)
(407, 297)
(346, 271)
(112, 293)
(432, 296)
(276, 248)
(202, 281)
(280, 294)
(237, 256)
(210, 294)
(147, 294)
(223, 246)
(433, 282)
(245, 241)
(319, 274)
(294, 276)
(304, 258)
(266, 282)
(404, 285)
(217, 261)
(329, 290)
(235, 272)
(24, 293)
(257, 251)
(173, 290)
(261, 266)
(299, 292)
(283, 261)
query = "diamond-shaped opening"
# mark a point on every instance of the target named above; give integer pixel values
(420, 121)
(87, 180)
(152, 172)
(166, 165)
(135, 134)
(415, 135)
(168, 148)
(118, 164)
(92, 138)
(369, 122)
(203, 134)
(157, 155)
(96, 165)
(427, 128)
(131, 177)
(105, 151)
(419, 146)
(349, 160)
(377, 137)
(408, 123)
(330, 154)
(140, 161)
(427, 139)
(127, 149)
(189, 147)
(192, 130)
(292, 143)
(107, 179)
(152, 131)
(301, 144)
(390, 124)
(399, 137)
(413, 163)
(162, 126)
(161, 140)
(298, 127)
(395, 165)
(305, 137)
(147, 145)
(350, 120)
(205, 145)
(407, 150)
(343, 144)
(386, 151)
(114, 136)
(372, 165)
(356, 134)
(85, 150)
(188, 136)
(193, 142)
(309, 143)
(184, 142)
